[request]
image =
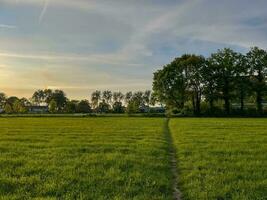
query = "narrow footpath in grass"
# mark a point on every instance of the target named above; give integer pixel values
(173, 161)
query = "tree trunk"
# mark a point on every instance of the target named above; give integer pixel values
(227, 105)
(259, 101)
(226, 97)
(241, 99)
(198, 104)
(211, 104)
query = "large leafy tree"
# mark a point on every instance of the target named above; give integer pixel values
(194, 79)
(241, 80)
(169, 84)
(60, 98)
(225, 67)
(257, 60)
(84, 107)
(209, 84)
(179, 81)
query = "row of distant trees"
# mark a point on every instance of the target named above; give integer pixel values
(227, 82)
(100, 102)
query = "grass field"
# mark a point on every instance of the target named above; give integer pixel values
(83, 158)
(124, 158)
(221, 158)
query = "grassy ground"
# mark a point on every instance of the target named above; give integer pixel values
(221, 158)
(83, 158)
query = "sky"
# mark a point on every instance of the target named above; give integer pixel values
(83, 45)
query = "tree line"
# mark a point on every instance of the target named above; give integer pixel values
(100, 102)
(227, 82)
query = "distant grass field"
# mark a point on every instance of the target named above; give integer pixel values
(84, 158)
(221, 158)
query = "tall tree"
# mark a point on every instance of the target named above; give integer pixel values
(107, 96)
(147, 97)
(169, 84)
(95, 98)
(117, 97)
(128, 97)
(60, 98)
(241, 80)
(210, 88)
(38, 97)
(225, 66)
(194, 79)
(257, 60)
(2, 100)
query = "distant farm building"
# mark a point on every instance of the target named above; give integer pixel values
(38, 109)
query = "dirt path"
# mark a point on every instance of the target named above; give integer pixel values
(173, 161)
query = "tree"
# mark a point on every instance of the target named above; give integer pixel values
(117, 97)
(12, 100)
(25, 102)
(48, 95)
(193, 66)
(117, 107)
(60, 98)
(225, 65)
(169, 84)
(128, 97)
(146, 97)
(138, 98)
(38, 97)
(95, 98)
(71, 106)
(2, 99)
(132, 107)
(53, 106)
(8, 108)
(103, 107)
(107, 96)
(19, 107)
(241, 80)
(210, 84)
(84, 107)
(257, 61)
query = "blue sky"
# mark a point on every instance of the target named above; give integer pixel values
(83, 45)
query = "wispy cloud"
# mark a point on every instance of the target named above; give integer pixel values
(106, 59)
(6, 26)
(45, 7)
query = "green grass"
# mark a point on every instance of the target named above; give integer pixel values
(221, 158)
(84, 158)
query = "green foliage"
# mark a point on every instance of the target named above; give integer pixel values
(103, 107)
(84, 107)
(53, 106)
(226, 75)
(8, 108)
(19, 107)
(132, 107)
(2, 99)
(118, 107)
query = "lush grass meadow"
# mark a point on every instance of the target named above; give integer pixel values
(124, 158)
(84, 158)
(221, 158)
